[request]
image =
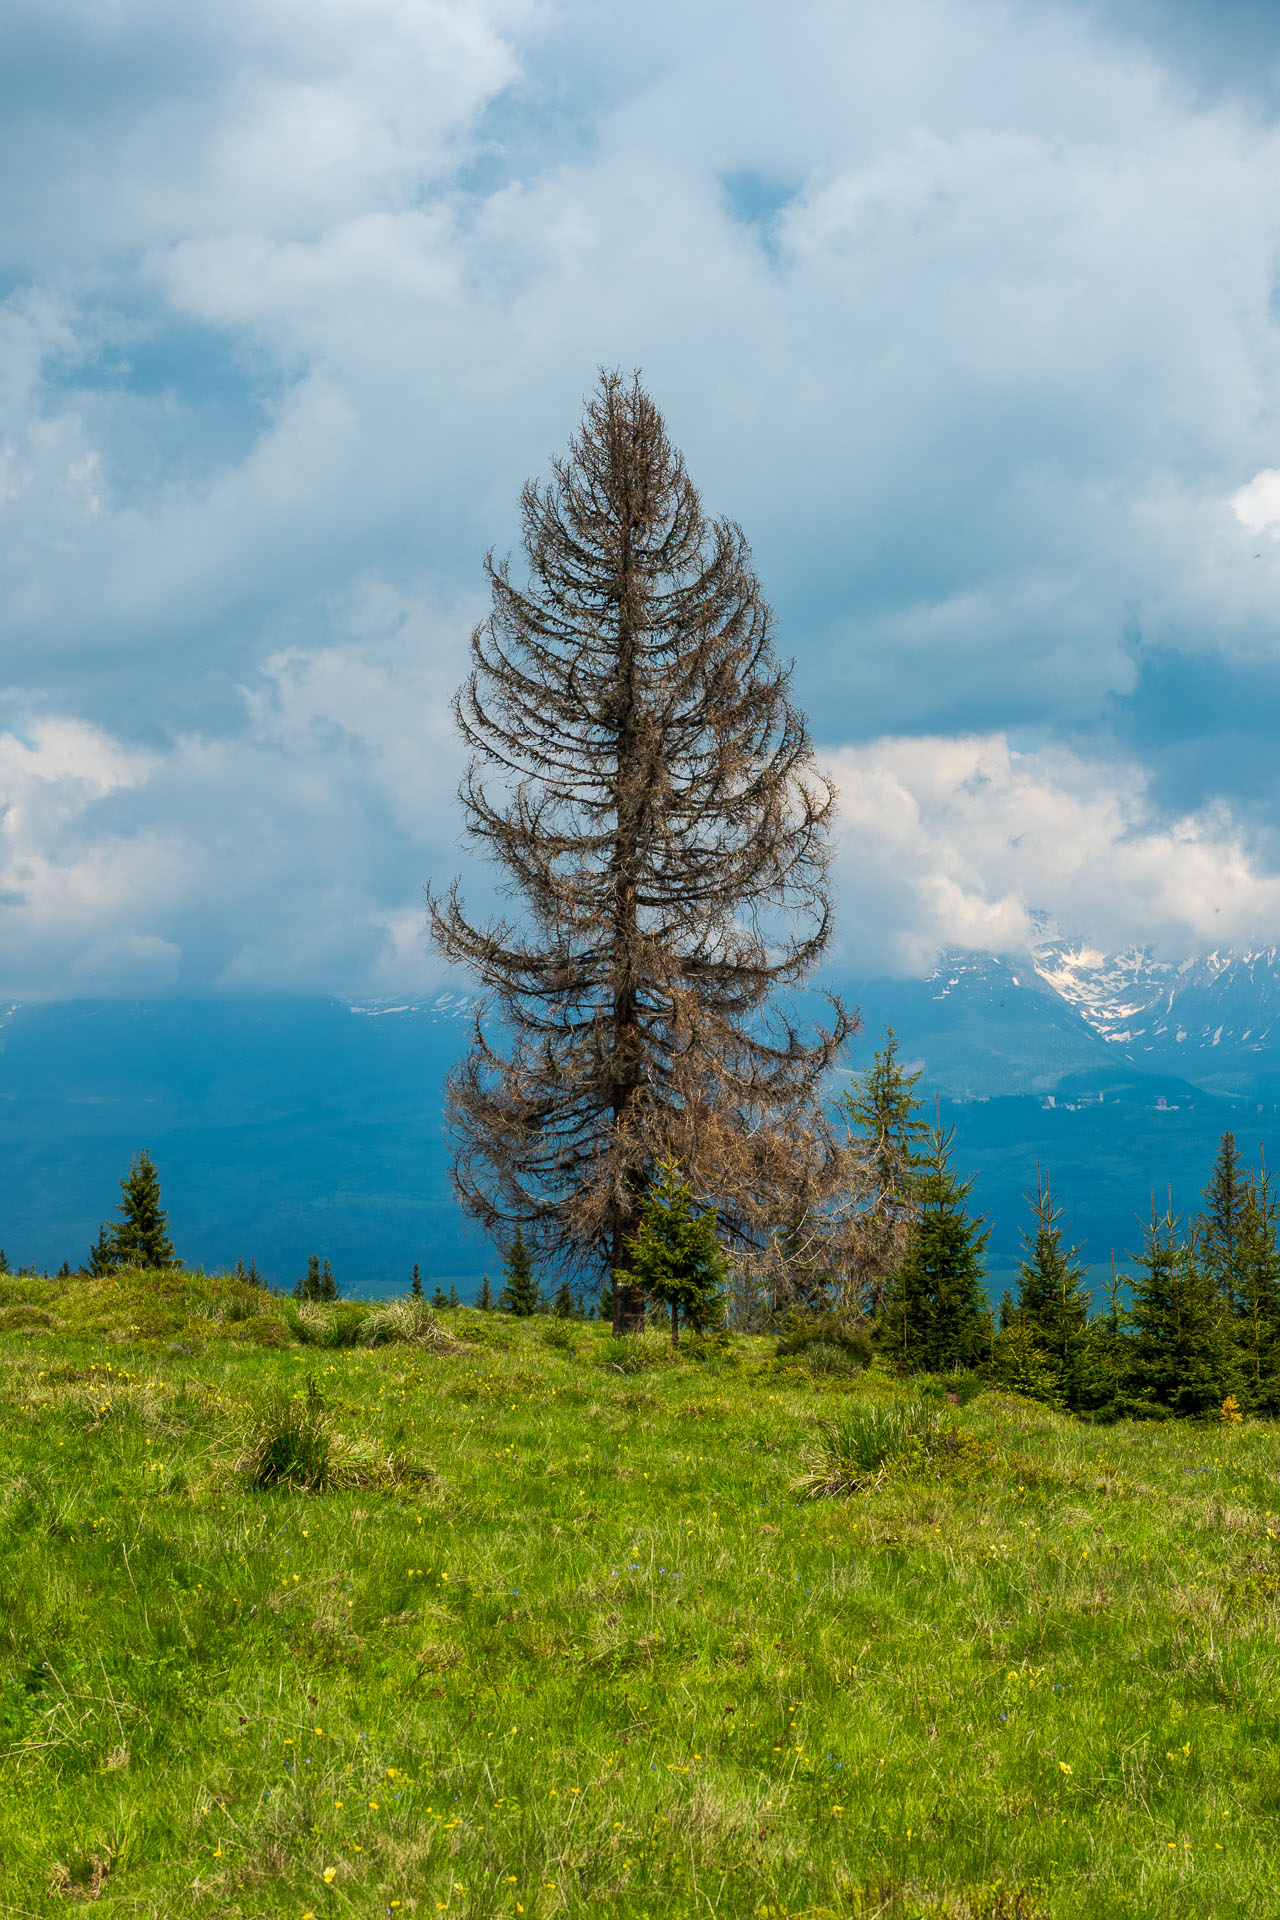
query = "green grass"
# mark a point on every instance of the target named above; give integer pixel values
(566, 1639)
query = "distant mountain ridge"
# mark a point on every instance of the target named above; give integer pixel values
(1223, 1004)
(991, 1024)
(284, 1125)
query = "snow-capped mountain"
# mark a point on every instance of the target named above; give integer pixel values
(440, 1006)
(1219, 1014)
(989, 1024)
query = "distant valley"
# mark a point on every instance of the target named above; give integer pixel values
(285, 1126)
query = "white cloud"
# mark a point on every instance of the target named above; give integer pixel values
(134, 962)
(302, 294)
(290, 854)
(957, 842)
(1257, 505)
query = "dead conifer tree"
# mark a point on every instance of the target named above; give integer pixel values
(642, 779)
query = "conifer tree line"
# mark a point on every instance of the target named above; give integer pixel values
(1201, 1332)
(905, 1277)
(1199, 1336)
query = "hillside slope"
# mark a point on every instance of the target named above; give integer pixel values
(563, 1640)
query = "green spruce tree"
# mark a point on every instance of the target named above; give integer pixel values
(936, 1317)
(520, 1293)
(1181, 1358)
(1052, 1296)
(1220, 1225)
(1100, 1368)
(439, 1297)
(415, 1285)
(563, 1306)
(141, 1237)
(676, 1257)
(102, 1254)
(888, 1132)
(1020, 1363)
(484, 1299)
(1257, 1298)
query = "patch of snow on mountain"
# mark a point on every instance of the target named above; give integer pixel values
(1220, 1000)
(445, 1006)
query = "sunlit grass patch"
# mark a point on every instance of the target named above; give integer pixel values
(314, 1325)
(607, 1663)
(639, 1353)
(24, 1318)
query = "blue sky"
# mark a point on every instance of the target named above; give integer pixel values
(967, 311)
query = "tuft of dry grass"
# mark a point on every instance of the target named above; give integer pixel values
(407, 1320)
(83, 1881)
(854, 1448)
(294, 1446)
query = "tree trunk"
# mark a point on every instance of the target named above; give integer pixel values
(628, 1310)
(629, 801)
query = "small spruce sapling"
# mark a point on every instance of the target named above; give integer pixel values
(564, 1306)
(484, 1299)
(1019, 1361)
(1051, 1289)
(520, 1293)
(415, 1285)
(1221, 1225)
(1101, 1365)
(676, 1257)
(102, 1254)
(454, 1301)
(141, 1239)
(439, 1297)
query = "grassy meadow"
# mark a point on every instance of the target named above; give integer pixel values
(561, 1637)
